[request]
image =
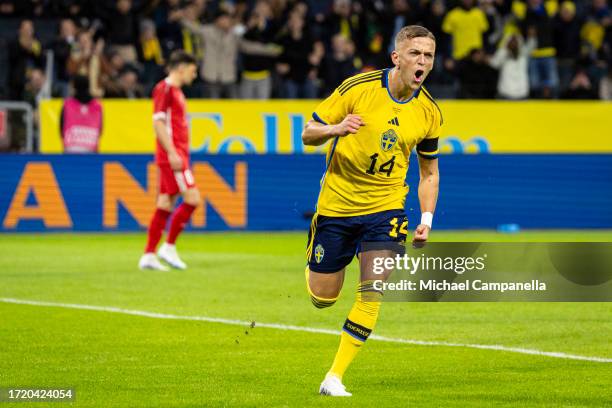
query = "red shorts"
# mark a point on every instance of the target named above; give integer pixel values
(174, 181)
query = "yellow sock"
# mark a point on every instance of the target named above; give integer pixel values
(347, 351)
(357, 327)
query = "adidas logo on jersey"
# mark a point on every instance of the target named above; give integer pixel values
(394, 121)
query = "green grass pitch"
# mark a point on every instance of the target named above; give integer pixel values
(119, 360)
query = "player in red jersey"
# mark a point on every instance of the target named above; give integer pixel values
(172, 159)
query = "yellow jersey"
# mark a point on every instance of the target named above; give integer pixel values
(366, 171)
(466, 27)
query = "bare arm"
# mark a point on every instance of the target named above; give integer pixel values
(193, 27)
(530, 45)
(428, 195)
(501, 54)
(257, 48)
(428, 184)
(316, 134)
(167, 144)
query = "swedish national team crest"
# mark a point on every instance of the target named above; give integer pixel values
(388, 140)
(319, 253)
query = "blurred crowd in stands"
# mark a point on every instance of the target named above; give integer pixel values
(304, 49)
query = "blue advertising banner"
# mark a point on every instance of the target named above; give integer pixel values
(279, 192)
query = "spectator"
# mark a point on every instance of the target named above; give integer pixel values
(466, 24)
(601, 13)
(191, 40)
(597, 31)
(512, 61)
(35, 90)
(39, 9)
(111, 66)
(10, 8)
(150, 53)
(433, 19)
(221, 45)
(25, 54)
(441, 81)
(62, 47)
(300, 59)
(605, 86)
(121, 23)
(167, 18)
(200, 8)
(400, 14)
(477, 79)
(77, 10)
(567, 42)
(279, 10)
(221, 49)
(339, 64)
(347, 19)
(85, 59)
(356, 33)
(126, 85)
(81, 119)
(543, 76)
(239, 12)
(256, 82)
(34, 87)
(27, 8)
(581, 86)
(78, 61)
(494, 34)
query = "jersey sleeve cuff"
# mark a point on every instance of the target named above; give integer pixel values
(159, 116)
(316, 117)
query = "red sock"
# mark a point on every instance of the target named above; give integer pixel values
(156, 228)
(179, 219)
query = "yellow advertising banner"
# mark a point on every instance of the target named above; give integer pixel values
(241, 126)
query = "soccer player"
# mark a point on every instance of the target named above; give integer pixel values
(172, 159)
(373, 120)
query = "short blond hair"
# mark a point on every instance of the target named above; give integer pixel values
(412, 31)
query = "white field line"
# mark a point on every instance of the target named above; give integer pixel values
(154, 315)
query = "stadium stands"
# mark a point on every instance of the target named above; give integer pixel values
(574, 39)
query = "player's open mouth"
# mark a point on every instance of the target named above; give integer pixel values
(418, 75)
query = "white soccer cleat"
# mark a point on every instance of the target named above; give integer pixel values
(150, 262)
(167, 252)
(333, 387)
